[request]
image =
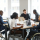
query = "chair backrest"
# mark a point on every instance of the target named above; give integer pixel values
(9, 22)
(0, 26)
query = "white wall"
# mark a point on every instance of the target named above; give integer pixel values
(23, 5)
(9, 8)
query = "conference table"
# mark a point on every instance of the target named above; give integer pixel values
(25, 27)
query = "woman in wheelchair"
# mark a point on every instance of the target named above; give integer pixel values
(32, 32)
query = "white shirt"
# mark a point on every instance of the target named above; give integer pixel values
(13, 23)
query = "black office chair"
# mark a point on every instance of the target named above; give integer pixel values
(12, 30)
(18, 35)
(14, 33)
(0, 32)
(14, 36)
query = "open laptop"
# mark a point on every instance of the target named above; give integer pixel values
(28, 23)
(21, 18)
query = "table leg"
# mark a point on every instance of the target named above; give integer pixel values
(23, 33)
(28, 30)
(5, 32)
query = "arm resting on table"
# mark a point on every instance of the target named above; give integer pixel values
(17, 27)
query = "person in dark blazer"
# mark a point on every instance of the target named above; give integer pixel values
(25, 15)
(1, 21)
(32, 32)
(36, 16)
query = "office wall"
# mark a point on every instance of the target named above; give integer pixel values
(9, 8)
(23, 5)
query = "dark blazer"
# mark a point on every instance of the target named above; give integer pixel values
(36, 17)
(2, 22)
(26, 16)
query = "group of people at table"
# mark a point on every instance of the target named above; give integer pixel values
(26, 16)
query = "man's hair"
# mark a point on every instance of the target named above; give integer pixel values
(1, 11)
(14, 15)
(34, 11)
(24, 10)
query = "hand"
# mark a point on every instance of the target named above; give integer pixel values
(33, 25)
(5, 21)
(31, 19)
(18, 24)
(21, 26)
(24, 18)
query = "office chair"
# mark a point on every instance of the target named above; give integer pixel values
(14, 33)
(9, 24)
(1, 33)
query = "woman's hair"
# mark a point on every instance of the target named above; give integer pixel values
(34, 11)
(14, 15)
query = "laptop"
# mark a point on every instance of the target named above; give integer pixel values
(28, 23)
(21, 18)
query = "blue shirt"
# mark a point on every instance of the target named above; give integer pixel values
(1, 20)
(37, 27)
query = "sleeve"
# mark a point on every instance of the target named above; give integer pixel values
(21, 15)
(34, 20)
(13, 23)
(1, 20)
(36, 27)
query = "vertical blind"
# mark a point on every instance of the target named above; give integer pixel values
(4, 7)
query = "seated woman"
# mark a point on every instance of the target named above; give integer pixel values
(32, 32)
(15, 26)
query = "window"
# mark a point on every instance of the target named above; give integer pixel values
(15, 6)
(34, 4)
(8, 7)
(3, 7)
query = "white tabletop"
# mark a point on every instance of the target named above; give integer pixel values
(25, 26)
(24, 22)
(5, 24)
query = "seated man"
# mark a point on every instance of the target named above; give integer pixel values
(36, 16)
(25, 15)
(1, 21)
(32, 32)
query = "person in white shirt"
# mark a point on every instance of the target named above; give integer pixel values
(14, 24)
(14, 18)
